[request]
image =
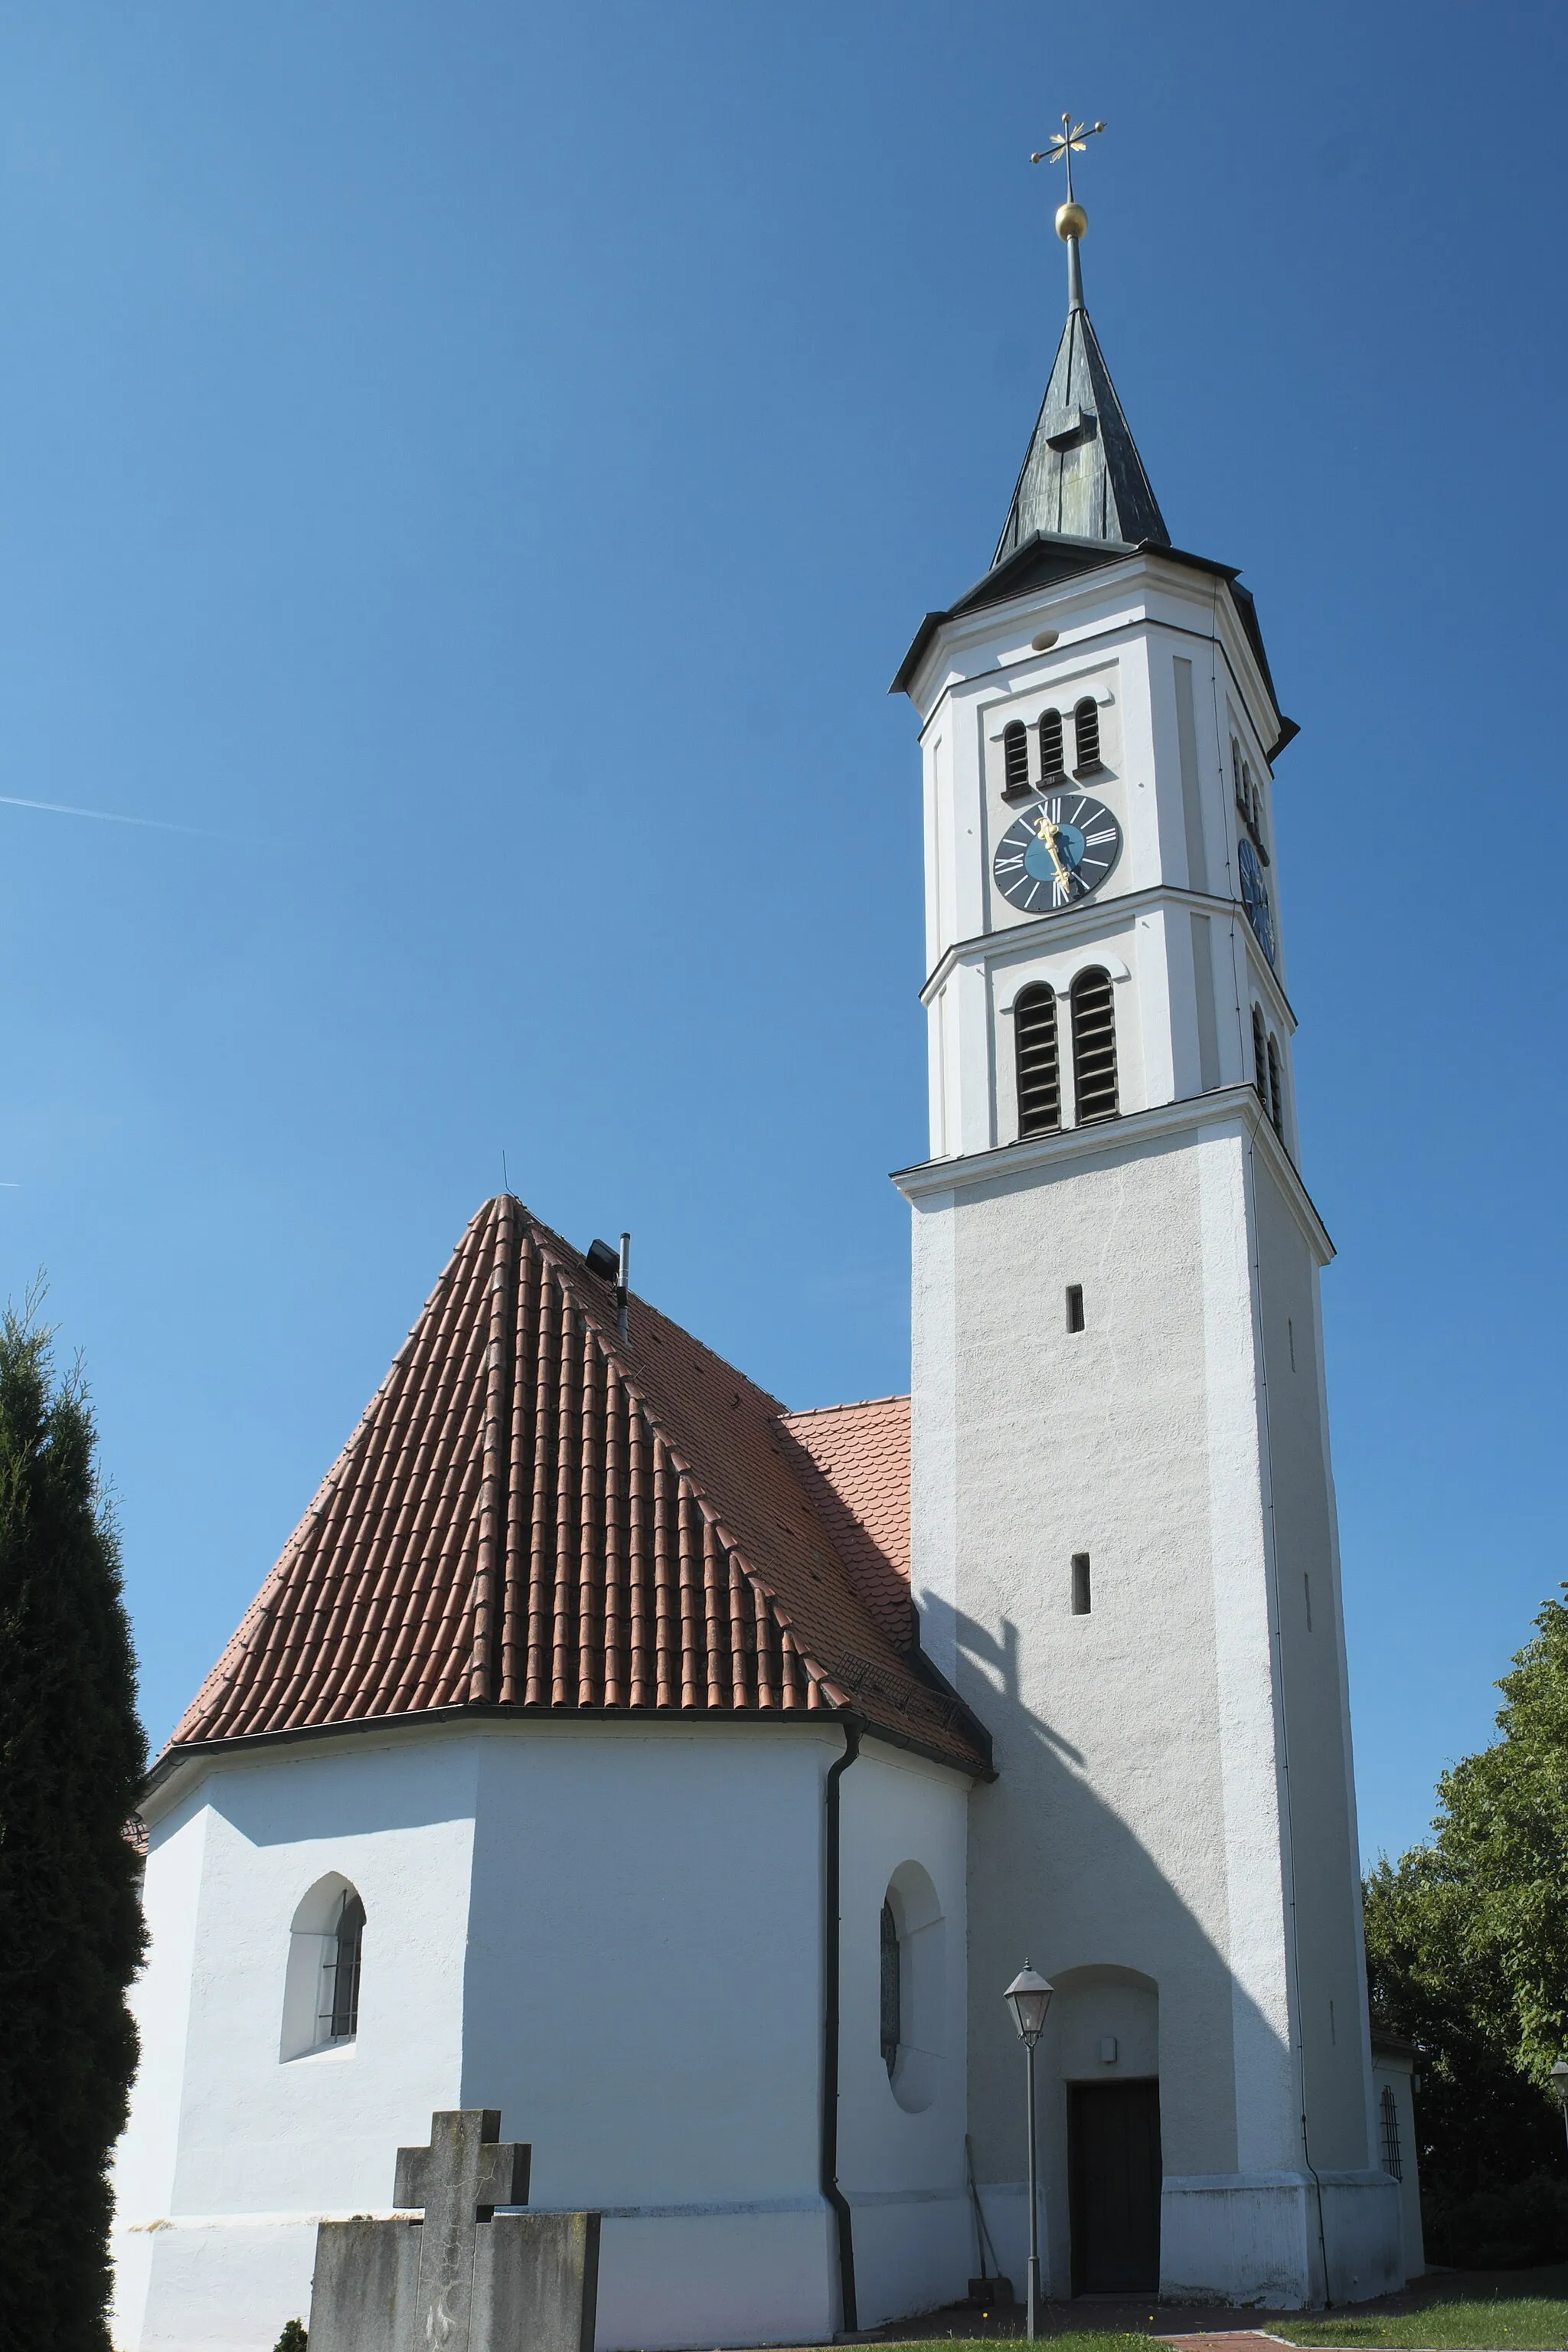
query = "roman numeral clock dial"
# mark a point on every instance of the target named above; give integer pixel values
(1056, 852)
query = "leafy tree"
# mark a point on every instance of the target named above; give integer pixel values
(1468, 1956)
(71, 1759)
(293, 2338)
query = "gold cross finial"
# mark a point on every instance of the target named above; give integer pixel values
(1066, 142)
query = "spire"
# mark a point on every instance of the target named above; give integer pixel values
(1082, 478)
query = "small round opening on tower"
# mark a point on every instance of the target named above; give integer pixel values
(1043, 642)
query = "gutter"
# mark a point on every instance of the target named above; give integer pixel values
(848, 2309)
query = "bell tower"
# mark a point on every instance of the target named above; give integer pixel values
(1124, 1543)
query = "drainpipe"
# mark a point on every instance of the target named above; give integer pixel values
(849, 2315)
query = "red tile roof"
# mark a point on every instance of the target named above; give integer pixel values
(534, 1514)
(857, 1473)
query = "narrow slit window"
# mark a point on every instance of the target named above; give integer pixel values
(1093, 1047)
(1259, 1057)
(1086, 733)
(1053, 761)
(1040, 1061)
(1393, 2157)
(341, 1973)
(1235, 775)
(1075, 1307)
(1081, 1598)
(1014, 757)
(892, 1988)
(1306, 1594)
(1276, 1092)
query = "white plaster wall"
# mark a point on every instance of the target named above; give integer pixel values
(1138, 1824)
(1396, 2069)
(901, 2141)
(231, 2154)
(613, 1933)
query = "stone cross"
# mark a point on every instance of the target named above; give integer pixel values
(469, 2277)
(459, 2179)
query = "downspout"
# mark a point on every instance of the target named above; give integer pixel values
(849, 2316)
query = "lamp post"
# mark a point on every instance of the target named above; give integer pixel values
(1029, 1997)
(1560, 2086)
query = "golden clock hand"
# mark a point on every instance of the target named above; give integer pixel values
(1050, 834)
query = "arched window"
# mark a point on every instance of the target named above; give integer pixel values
(1093, 1047)
(1039, 1062)
(1053, 760)
(1086, 732)
(1275, 1096)
(1014, 757)
(892, 1988)
(1259, 1056)
(1393, 2160)
(321, 1993)
(340, 1971)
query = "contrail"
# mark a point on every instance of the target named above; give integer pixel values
(108, 816)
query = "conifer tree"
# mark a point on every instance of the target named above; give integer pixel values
(71, 1759)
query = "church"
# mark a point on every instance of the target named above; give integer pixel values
(686, 1778)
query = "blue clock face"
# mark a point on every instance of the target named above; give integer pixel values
(1255, 897)
(1059, 851)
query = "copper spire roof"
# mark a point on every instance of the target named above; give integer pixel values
(534, 1514)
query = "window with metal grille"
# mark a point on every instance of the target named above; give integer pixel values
(1393, 2160)
(1014, 757)
(1093, 1047)
(1086, 734)
(1039, 1063)
(1259, 1057)
(1053, 756)
(341, 1970)
(1081, 1600)
(1276, 1095)
(892, 1988)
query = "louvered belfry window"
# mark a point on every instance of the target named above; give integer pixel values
(1276, 1092)
(1014, 757)
(1086, 731)
(1393, 2158)
(892, 1988)
(339, 2005)
(1259, 1056)
(1093, 1047)
(1040, 1061)
(1053, 760)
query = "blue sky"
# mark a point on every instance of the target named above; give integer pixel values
(475, 469)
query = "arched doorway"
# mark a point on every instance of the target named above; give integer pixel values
(1108, 2042)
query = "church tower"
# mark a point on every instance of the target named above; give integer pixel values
(1124, 1545)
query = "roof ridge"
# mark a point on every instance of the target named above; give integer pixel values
(850, 1404)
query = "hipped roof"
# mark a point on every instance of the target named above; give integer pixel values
(536, 1515)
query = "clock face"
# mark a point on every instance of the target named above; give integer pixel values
(1255, 897)
(1057, 852)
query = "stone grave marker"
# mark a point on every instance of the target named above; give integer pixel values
(467, 2278)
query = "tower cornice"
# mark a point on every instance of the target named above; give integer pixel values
(1158, 1128)
(1091, 923)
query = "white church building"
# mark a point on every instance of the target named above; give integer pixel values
(686, 1778)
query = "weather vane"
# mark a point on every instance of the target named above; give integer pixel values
(1069, 141)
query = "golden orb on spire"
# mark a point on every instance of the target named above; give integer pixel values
(1072, 221)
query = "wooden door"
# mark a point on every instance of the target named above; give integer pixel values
(1113, 2170)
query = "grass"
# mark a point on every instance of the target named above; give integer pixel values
(1495, 2324)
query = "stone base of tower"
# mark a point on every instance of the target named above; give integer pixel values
(1266, 2237)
